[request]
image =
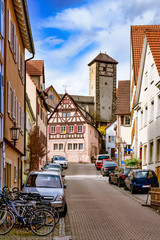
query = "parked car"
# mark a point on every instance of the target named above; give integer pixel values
(107, 168)
(99, 159)
(119, 175)
(140, 180)
(60, 160)
(103, 161)
(47, 184)
(52, 165)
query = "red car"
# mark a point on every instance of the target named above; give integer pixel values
(99, 159)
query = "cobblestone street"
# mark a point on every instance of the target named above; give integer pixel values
(100, 211)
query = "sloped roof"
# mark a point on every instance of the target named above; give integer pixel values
(51, 87)
(103, 57)
(137, 38)
(123, 98)
(153, 38)
(35, 68)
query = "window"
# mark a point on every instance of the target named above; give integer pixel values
(127, 147)
(63, 129)
(75, 146)
(151, 152)
(15, 174)
(152, 111)
(152, 73)
(141, 119)
(61, 146)
(51, 97)
(145, 154)
(80, 146)
(69, 146)
(110, 138)
(68, 114)
(53, 129)
(64, 114)
(71, 129)
(79, 128)
(158, 106)
(146, 81)
(55, 146)
(127, 120)
(146, 116)
(158, 150)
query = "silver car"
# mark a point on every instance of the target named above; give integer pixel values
(48, 184)
(60, 160)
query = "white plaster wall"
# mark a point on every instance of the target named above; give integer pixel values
(151, 130)
(31, 91)
(76, 155)
(110, 132)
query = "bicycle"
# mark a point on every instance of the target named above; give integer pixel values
(40, 221)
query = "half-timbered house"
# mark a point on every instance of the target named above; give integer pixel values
(72, 132)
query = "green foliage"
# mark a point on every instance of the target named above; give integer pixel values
(133, 162)
(102, 130)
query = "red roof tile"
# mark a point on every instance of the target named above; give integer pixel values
(35, 68)
(153, 39)
(123, 98)
(137, 36)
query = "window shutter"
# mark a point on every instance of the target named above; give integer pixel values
(22, 115)
(1, 94)
(18, 115)
(58, 130)
(49, 129)
(2, 18)
(8, 105)
(13, 104)
(122, 120)
(9, 26)
(75, 128)
(66, 128)
(22, 70)
(19, 56)
(16, 48)
(16, 110)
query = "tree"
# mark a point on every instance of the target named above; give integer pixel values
(36, 148)
(102, 130)
(133, 162)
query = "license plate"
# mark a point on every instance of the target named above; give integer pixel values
(145, 186)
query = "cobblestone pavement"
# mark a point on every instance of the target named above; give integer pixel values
(100, 211)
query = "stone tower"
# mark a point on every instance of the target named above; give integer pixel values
(102, 86)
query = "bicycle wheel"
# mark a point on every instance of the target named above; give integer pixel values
(7, 220)
(55, 214)
(42, 222)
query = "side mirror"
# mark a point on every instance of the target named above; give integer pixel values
(65, 186)
(42, 168)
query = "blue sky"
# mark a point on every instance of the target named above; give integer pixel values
(68, 34)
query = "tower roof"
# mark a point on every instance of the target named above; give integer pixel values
(103, 58)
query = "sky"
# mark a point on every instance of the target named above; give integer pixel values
(68, 34)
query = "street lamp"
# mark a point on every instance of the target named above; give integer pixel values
(14, 132)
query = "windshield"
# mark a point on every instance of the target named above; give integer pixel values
(44, 181)
(59, 158)
(127, 171)
(52, 166)
(109, 164)
(144, 174)
(103, 157)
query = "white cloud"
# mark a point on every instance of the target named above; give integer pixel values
(104, 24)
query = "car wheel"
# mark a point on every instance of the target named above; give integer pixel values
(125, 187)
(119, 183)
(132, 190)
(63, 214)
(110, 180)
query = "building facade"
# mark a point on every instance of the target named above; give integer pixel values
(123, 130)
(102, 86)
(110, 139)
(2, 35)
(72, 133)
(147, 103)
(137, 38)
(53, 97)
(35, 70)
(18, 37)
